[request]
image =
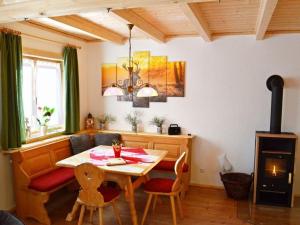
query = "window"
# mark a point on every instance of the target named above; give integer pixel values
(42, 86)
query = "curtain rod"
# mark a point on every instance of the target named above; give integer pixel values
(7, 30)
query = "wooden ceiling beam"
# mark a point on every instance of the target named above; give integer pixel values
(265, 12)
(92, 28)
(48, 28)
(12, 11)
(195, 16)
(131, 17)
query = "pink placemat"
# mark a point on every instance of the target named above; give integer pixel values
(100, 156)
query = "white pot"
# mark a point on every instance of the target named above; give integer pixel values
(159, 130)
(134, 128)
(43, 130)
(102, 126)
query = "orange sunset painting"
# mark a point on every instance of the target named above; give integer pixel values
(168, 78)
(108, 75)
(175, 79)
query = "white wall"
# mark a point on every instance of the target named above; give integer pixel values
(6, 187)
(226, 97)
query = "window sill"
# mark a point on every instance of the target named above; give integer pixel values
(38, 142)
(38, 137)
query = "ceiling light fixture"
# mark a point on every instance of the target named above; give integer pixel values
(138, 87)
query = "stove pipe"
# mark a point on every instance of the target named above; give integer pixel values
(275, 84)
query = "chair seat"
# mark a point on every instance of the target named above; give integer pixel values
(109, 193)
(159, 185)
(51, 180)
(169, 166)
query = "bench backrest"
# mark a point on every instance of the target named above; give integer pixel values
(41, 160)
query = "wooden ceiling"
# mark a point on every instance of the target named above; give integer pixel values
(95, 20)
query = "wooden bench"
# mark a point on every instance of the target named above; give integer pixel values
(36, 177)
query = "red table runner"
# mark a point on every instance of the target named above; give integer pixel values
(100, 156)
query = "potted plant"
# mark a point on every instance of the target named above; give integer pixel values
(117, 146)
(158, 122)
(105, 119)
(133, 119)
(45, 116)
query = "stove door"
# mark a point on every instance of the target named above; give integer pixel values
(275, 171)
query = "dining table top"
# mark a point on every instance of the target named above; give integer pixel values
(132, 169)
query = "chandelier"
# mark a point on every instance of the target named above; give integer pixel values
(134, 86)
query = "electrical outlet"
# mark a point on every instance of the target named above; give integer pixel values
(202, 170)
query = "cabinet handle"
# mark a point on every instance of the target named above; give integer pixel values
(290, 178)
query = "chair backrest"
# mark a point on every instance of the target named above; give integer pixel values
(178, 170)
(80, 143)
(106, 139)
(90, 178)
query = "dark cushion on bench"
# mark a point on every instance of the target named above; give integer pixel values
(80, 143)
(169, 166)
(8, 219)
(106, 139)
(51, 180)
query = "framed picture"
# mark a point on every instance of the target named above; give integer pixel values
(168, 78)
(158, 77)
(108, 72)
(175, 79)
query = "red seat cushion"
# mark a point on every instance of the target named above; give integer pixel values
(52, 179)
(109, 193)
(169, 166)
(159, 185)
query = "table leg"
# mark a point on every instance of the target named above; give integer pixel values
(147, 177)
(131, 202)
(139, 181)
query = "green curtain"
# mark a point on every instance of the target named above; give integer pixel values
(12, 116)
(72, 90)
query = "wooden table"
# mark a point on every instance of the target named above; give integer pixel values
(121, 174)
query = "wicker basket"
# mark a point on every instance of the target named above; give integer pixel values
(237, 185)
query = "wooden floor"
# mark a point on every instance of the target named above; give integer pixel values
(201, 206)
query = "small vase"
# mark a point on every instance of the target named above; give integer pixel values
(43, 130)
(159, 130)
(134, 128)
(102, 126)
(117, 151)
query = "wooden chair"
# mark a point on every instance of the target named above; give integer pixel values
(166, 187)
(92, 195)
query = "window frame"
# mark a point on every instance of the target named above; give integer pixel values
(53, 129)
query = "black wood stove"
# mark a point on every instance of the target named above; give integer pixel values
(274, 156)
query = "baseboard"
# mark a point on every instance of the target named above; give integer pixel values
(208, 186)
